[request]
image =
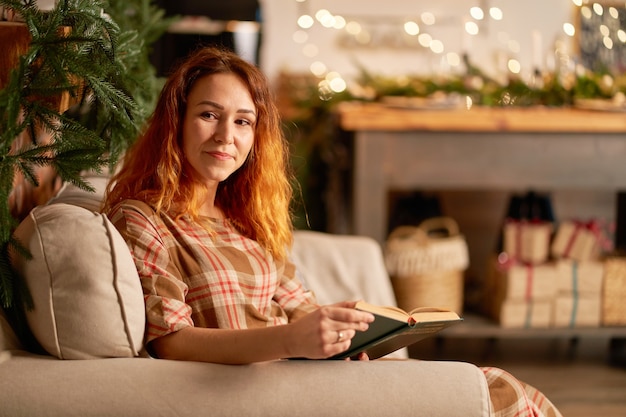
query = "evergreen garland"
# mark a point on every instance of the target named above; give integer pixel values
(105, 70)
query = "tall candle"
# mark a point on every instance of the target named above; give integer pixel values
(537, 50)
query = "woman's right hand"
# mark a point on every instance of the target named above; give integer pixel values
(327, 331)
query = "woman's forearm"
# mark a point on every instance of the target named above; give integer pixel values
(224, 346)
(321, 334)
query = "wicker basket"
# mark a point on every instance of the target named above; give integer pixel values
(426, 264)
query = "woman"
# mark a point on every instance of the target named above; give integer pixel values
(203, 199)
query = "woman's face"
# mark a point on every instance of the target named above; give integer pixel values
(218, 129)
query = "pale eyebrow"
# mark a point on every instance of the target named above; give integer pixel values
(220, 107)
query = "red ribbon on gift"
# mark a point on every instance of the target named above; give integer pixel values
(506, 262)
(519, 223)
(592, 225)
(529, 294)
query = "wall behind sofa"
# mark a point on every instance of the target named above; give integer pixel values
(532, 26)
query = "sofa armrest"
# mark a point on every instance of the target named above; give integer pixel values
(43, 386)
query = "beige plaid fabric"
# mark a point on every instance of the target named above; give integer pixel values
(513, 398)
(191, 277)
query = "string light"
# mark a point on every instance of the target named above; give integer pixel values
(569, 29)
(428, 18)
(373, 33)
(477, 13)
(598, 9)
(496, 13)
(471, 28)
(305, 21)
(411, 28)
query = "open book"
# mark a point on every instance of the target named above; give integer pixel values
(394, 329)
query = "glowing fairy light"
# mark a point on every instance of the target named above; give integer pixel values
(335, 82)
(322, 14)
(598, 9)
(353, 28)
(569, 29)
(454, 60)
(604, 30)
(340, 22)
(514, 66)
(425, 40)
(436, 46)
(305, 21)
(496, 13)
(325, 18)
(428, 18)
(411, 28)
(471, 28)
(477, 13)
(318, 68)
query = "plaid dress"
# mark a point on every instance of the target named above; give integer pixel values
(191, 277)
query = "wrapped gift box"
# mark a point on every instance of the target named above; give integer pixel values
(577, 240)
(583, 277)
(525, 314)
(614, 292)
(513, 290)
(527, 241)
(526, 281)
(577, 310)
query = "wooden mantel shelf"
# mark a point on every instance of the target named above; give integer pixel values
(355, 116)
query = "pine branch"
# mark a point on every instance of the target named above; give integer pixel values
(102, 62)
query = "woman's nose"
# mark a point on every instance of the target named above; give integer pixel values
(224, 133)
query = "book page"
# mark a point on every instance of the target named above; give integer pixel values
(418, 315)
(387, 311)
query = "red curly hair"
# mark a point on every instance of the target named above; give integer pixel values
(255, 198)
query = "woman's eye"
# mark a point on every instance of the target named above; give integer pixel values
(208, 115)
(244, 122)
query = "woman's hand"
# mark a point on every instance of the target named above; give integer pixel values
(327, 331)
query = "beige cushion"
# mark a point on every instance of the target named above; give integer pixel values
(91, 200)
(85, 287)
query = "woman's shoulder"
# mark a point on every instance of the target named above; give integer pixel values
(137, 210)
(135, 205)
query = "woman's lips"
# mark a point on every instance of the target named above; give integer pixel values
(222, 156)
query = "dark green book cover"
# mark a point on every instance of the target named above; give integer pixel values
(394, 329)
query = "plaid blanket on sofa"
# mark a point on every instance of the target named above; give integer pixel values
(513, 398)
